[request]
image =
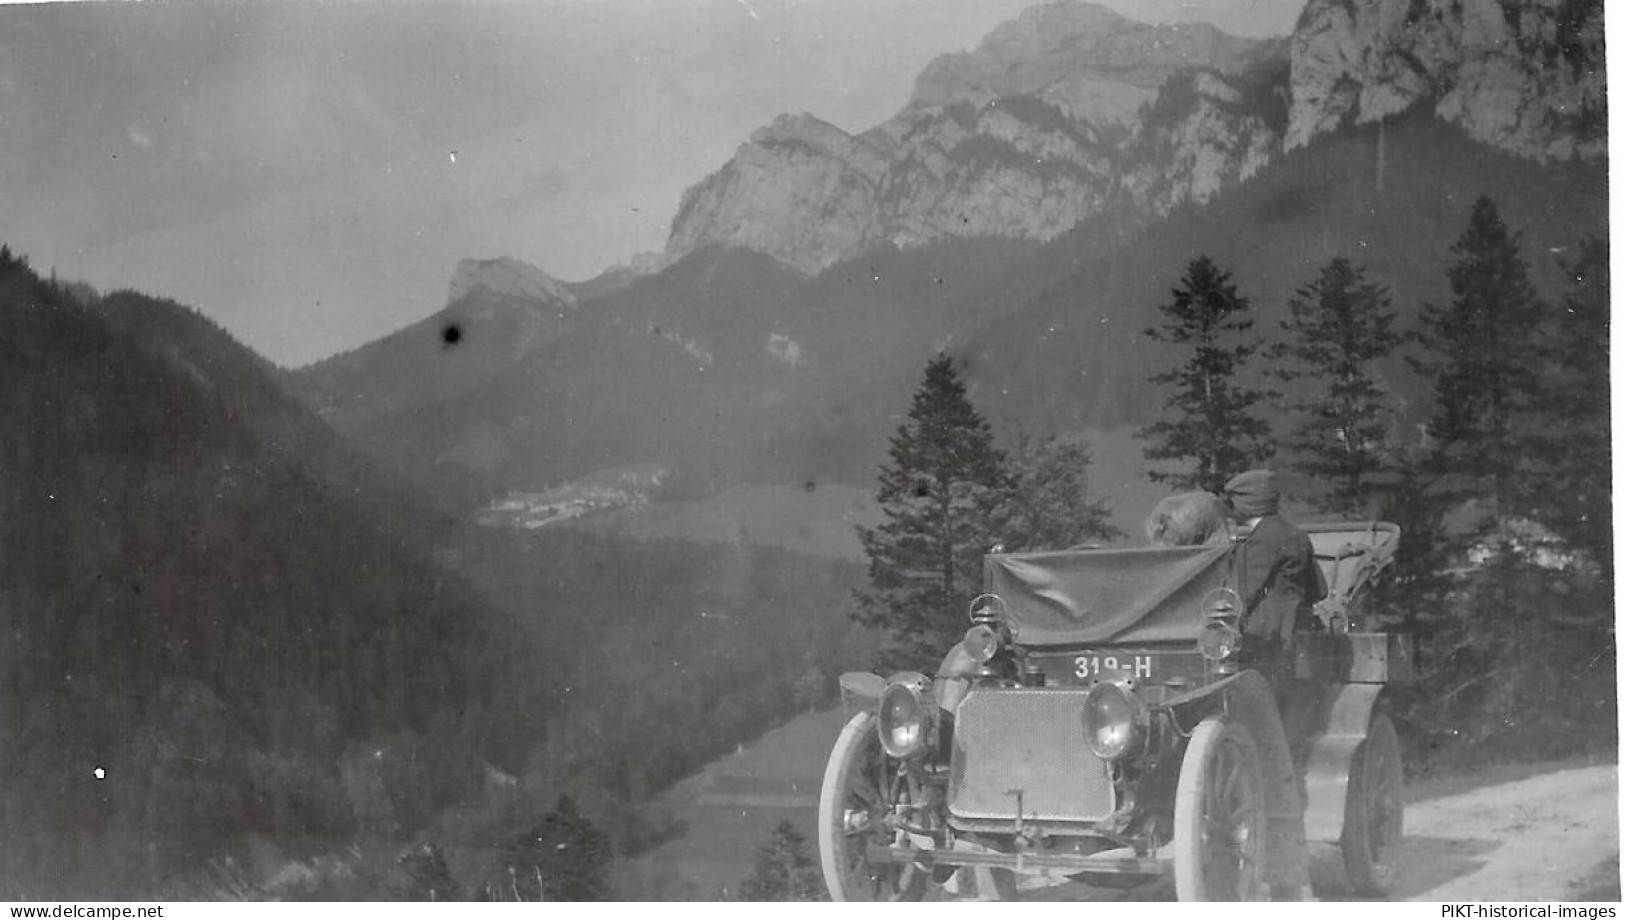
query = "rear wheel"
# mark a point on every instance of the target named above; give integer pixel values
(1219, 816)
(1374, 817)
(861, 787)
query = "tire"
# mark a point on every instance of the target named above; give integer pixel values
(853, 803)
(1374, 815)
(1219, 816)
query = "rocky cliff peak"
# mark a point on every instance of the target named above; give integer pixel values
(822, 138)
(1022, 136)
(1093, 63)
(506, 277)
(801, 190)
(1526, 76)
(1071, 110)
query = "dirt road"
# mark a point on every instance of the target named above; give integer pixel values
(1529, 840)
(1553, 837)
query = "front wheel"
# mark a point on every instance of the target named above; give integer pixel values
(1374, 816)
(861, 788)
(1219, 816)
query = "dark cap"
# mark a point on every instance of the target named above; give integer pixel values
(1253, 493)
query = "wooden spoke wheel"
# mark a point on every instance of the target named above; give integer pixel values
(861, 788)
(1219, 816)
(1374, 817)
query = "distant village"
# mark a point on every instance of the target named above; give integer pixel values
(609, 490)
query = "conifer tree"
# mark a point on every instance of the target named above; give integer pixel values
(783, 870)
(1214, 426)
(563, 858)
(940, 495)
(1506, 650)
(1339, 325)
(426, 876)
(1477, 351)
(1049, 505)
(1414, 590)
(1484, 372)
(1574, 425)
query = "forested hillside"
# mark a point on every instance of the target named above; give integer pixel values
(658, 655)
(232, 644)
(200, 627)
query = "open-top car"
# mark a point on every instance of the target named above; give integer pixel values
(1101, 721)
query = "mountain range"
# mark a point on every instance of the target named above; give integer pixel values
(1072, 111)
(1026, 210)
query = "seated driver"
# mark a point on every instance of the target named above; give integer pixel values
(1279, 580)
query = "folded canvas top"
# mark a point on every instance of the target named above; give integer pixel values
(1145, 595)
(1107, 595)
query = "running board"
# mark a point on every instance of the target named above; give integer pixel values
(1106, 865)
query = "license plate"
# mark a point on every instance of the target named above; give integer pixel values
(1091, 668)
(1140, 666)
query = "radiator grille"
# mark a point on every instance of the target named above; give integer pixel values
(1030, 740)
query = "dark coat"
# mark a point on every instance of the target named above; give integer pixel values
(1280, 582)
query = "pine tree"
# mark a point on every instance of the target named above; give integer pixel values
(563, 858)
(940, 495)
(1049, 506)
(1215, 427)
(1510, 655)
(783, 870)
(427, 877)
(1572, 448)
(1481, 363)
(1413, 595)
(1339, 325)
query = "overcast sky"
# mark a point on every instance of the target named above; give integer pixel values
(309, 173)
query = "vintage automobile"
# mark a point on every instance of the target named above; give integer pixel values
(1100, 721)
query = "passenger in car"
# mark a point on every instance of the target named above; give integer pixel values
(1189, 519)
(1279, 581)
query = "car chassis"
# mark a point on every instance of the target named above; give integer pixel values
(1102, 721)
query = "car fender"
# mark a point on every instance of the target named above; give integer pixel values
(1247, 699)
(1344, 718)
(860, 692)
